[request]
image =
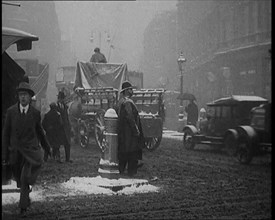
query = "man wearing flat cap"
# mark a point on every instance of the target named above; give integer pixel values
(22, 139)
(130, 136)
(98, 57)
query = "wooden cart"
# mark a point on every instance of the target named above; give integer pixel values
(95, 103)
(151, 110)
(149, 103)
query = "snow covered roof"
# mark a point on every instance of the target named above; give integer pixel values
(234, 99)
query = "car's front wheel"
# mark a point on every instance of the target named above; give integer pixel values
(230, 145)
(244, 152)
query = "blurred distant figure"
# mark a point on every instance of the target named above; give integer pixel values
(202, 125)
(52, 124)
(75, 110)
(98, 57)
(62, 108)
(192, 112)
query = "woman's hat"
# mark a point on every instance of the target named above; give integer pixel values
(126, 85)
(24, 86)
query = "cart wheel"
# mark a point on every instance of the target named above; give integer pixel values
(230, 145)
(83, 135)
(99, 129)
(188, 139)
(244, 154)
(152, 143)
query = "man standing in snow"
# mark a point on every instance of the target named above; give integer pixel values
(130, 136)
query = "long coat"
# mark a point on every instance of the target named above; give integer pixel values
(24, 135)
(130, 136)
(63, 110)
(52, 124)
(192, 113)
(98, 58)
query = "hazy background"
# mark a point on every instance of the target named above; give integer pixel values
(123, 23)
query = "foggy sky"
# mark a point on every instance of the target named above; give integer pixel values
(125, 22)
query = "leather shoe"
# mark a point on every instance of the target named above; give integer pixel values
(23, 213)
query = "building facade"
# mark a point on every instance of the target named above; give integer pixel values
(159, 63)
(228, 47)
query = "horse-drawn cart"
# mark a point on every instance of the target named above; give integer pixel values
(98, 85)
(95, 103)
(98, 100)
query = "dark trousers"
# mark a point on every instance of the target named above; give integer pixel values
(67, 147)
(25, 175)
(56, 152)
(131, 166)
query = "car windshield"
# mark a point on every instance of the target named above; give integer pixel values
(226, 112)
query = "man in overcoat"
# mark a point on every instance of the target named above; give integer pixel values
(52, 124)
(130, 136)
(22, 139)
(65, 134)
(192, 112)
(98, 57)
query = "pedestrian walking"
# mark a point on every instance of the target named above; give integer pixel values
(22, 139)
(192, 112)
(130, 136)
(75, 111)
(65, 132)
(52, 124)
(98, 57)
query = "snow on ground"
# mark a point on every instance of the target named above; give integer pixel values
(86, 185)
(81, 186)
(172, 134)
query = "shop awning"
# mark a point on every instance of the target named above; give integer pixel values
(14, 36)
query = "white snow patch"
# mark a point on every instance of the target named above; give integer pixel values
(172, 134)
(13, 197)
(80, 186)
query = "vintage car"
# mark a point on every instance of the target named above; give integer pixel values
(222, 115)
(254, 139)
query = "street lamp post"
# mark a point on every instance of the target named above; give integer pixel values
(181, 61)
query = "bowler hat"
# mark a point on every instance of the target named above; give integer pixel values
(126, 85)
(24, 86)
(61, 95)
(53, 105)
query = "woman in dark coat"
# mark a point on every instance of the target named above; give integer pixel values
(130, 137)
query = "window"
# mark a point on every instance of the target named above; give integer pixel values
(226, 112)
(218, 111)
(251, 17)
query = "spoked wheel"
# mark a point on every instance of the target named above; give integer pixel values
(230, 145)
(244, 154)
(152, 143)
(83, 135)
(99, 129)
(188, 139)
